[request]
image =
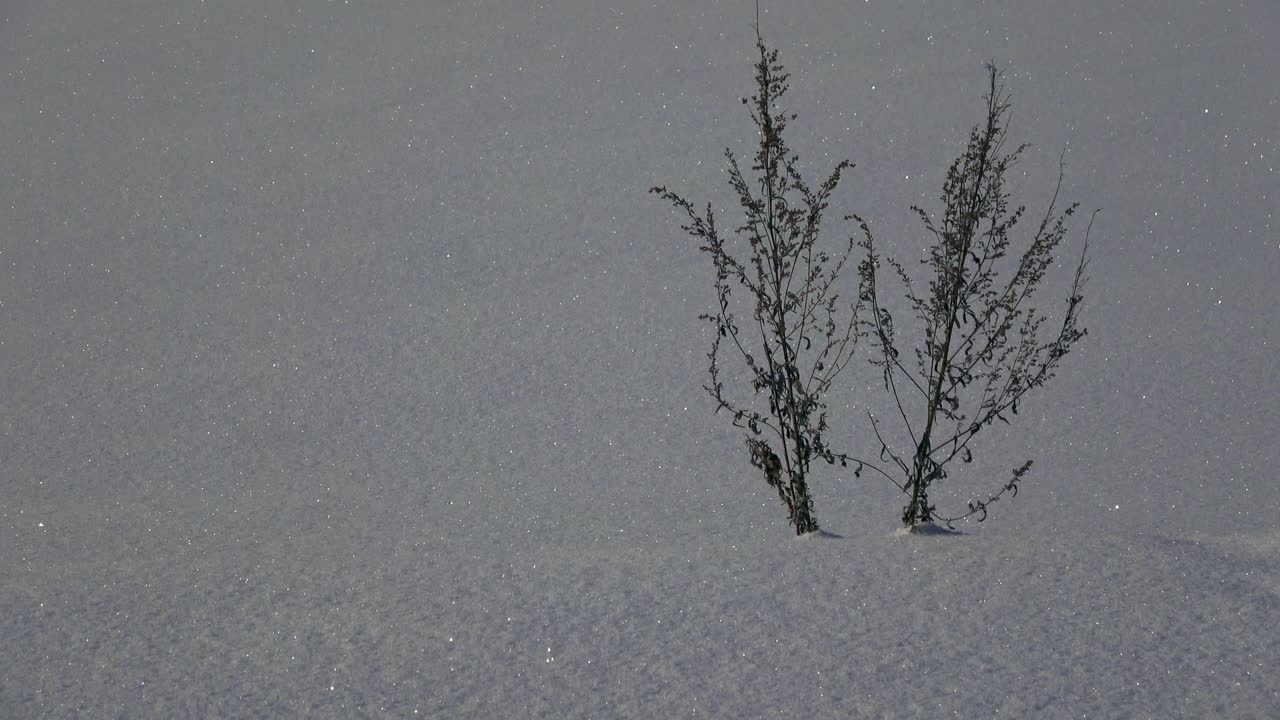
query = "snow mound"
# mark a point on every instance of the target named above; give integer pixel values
(925, 529)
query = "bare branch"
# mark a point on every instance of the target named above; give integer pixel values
(982, 350)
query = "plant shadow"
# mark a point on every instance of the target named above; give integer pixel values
(928, 529)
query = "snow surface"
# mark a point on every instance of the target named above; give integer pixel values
(348, 370)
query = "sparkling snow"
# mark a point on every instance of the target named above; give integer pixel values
(349, 371)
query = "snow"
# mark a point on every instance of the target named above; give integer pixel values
(926, 529)
(348, 370)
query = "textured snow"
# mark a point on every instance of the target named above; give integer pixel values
(349, 371)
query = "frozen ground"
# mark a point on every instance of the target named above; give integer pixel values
(348, 371)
